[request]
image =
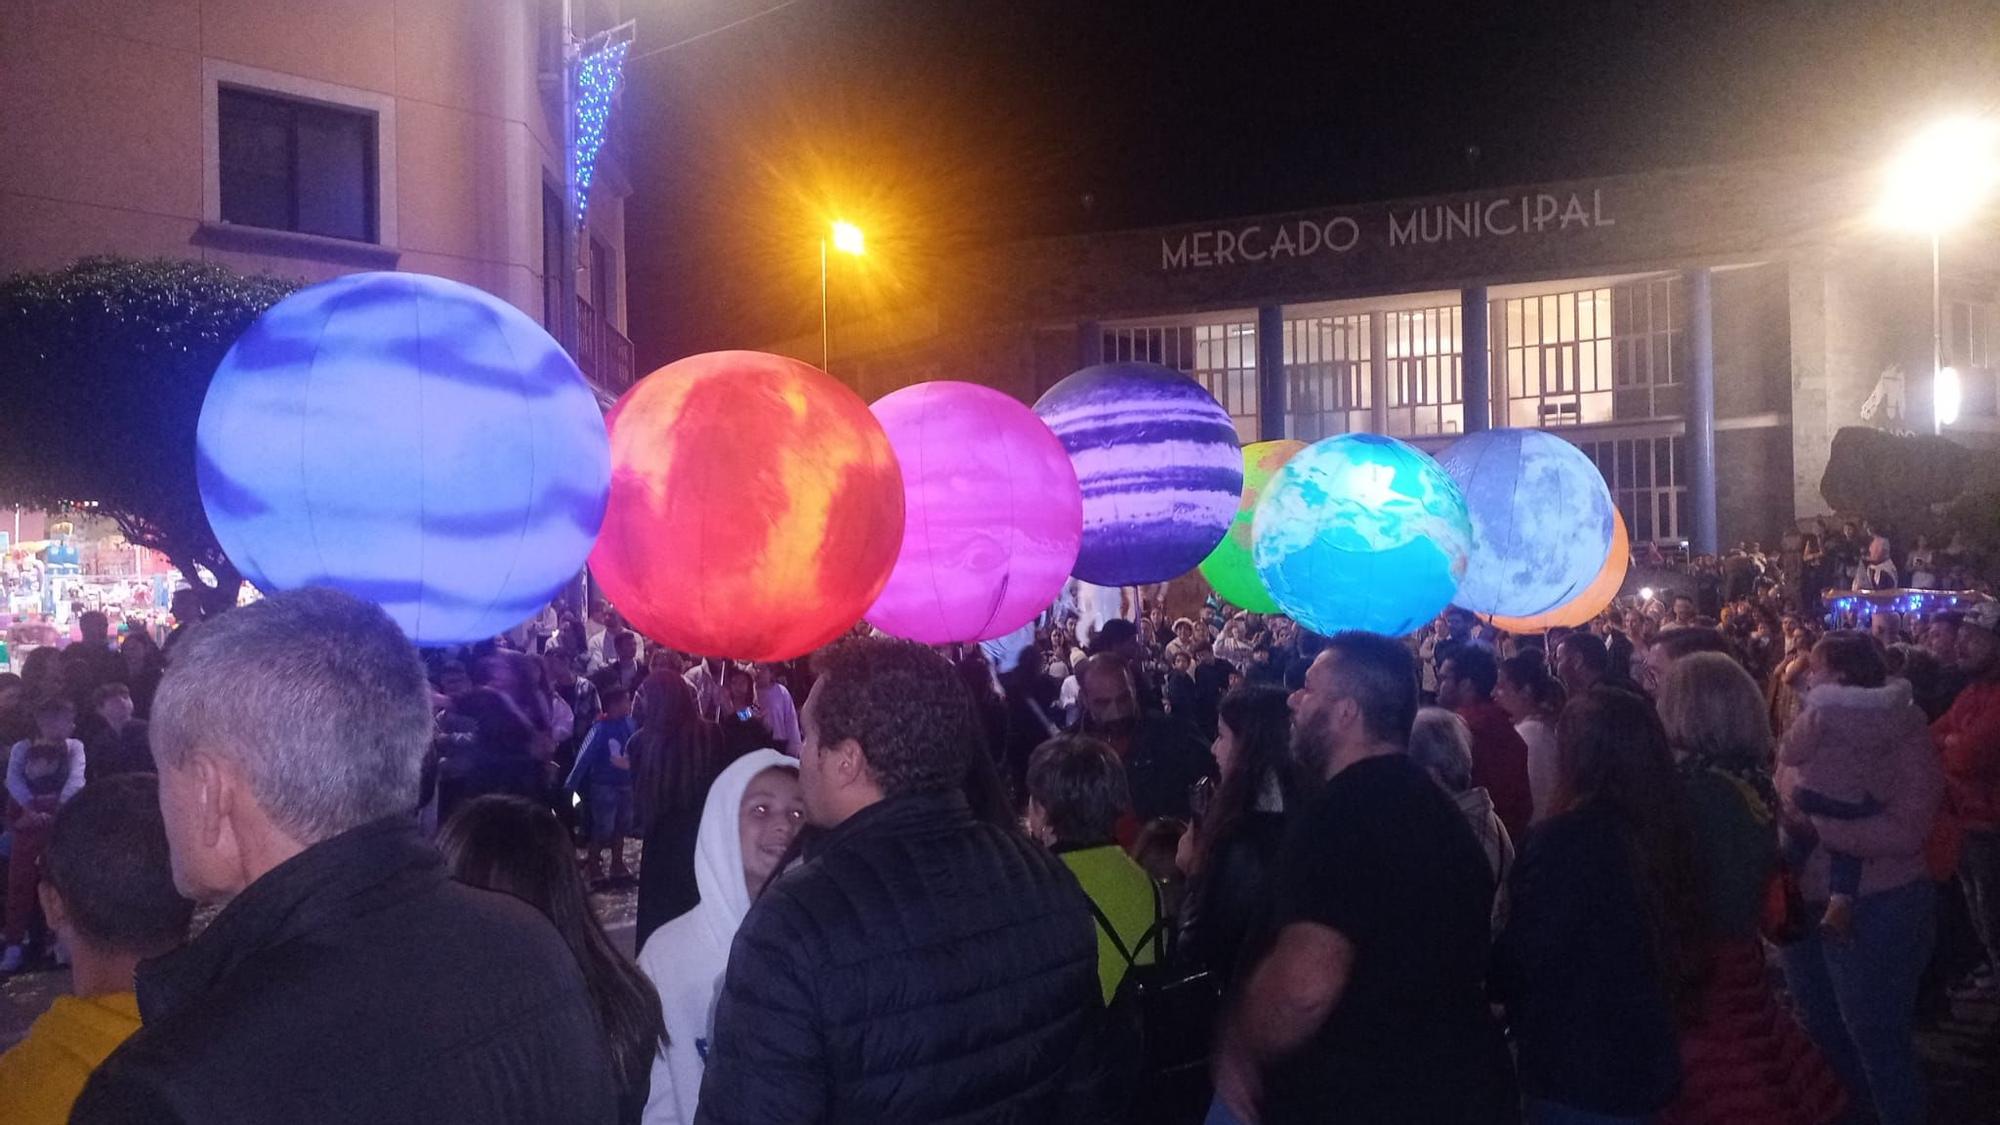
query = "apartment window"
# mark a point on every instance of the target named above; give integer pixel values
(1426, 378)
(552, 259)
(296, 166)
(1329, 384)
(1646, 480)
(1221, 356)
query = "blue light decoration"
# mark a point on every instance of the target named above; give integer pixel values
(1361, 531)
(1542, 520)
(411, 440)
(597, 78)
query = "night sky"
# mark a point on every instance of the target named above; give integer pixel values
(939, 123)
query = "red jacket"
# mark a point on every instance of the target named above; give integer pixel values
(1500, 765)
(1968, 736)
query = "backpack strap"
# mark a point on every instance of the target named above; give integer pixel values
(1155, 933)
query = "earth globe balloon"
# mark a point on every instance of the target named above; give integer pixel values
(992, 514)
(1593, 598)
(411, 440)
(1157, 459)
(1361, 531)
(756, 507)
(1228, 568)
(1542, 520)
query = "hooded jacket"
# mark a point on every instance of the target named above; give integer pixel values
(1969, 736)
(1845, 724)
(685, 958)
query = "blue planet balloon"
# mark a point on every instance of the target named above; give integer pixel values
(411, 440)
(1157, 459)
(1542, 520)
(1361, 531)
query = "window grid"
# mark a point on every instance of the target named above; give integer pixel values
(1221, 357)
(1426, 371)
(1645, 478)
(298, 166)
(1646, 346)
(1329, 384)
(1558, 351)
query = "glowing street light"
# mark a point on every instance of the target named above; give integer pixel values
(1941, 179)
(847, 239)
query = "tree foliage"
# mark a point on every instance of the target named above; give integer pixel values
(103, 367)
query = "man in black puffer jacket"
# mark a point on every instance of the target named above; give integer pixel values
(922, 966)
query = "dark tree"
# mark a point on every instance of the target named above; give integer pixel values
(103, 366)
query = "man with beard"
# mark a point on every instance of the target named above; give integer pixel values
(1163, 756)
(1370, 1006)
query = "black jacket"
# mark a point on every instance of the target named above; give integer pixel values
(356, 983)
(1229, 903)
(1164, 757)
(922, 967)
(1573, 967)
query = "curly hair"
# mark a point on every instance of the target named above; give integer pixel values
(906, 708)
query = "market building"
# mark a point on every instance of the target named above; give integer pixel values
(1701, 333)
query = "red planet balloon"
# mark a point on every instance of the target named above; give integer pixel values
(756, 507)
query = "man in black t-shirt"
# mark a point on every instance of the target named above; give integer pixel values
(1370, 1006)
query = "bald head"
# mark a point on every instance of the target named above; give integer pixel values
(1109, 695)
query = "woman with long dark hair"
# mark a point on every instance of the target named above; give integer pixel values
(1231, 851)
(517, 847)
(1603, 942)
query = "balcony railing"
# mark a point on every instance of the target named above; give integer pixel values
(603, 352)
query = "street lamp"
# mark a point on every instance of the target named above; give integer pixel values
(1938, 181)
(847, 239)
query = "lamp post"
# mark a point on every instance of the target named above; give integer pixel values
(1942, 178)
(847, 239)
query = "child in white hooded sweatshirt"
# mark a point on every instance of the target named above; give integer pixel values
(752, 812)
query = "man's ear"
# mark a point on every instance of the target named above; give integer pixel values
(849, 764)
(215, 793)
(52, 905)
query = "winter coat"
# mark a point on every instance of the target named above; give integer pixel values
(1477, 805)
(1969, 736)
(685, 958)
(1885, 723)
(355, 982)
(1229, 900)
(922, 967)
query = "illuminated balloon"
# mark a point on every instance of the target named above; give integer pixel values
(992, 514)
(1361, 531)
(1541, 520)
(1156, 456)
(1228, 568)
(756, 507)
(1592, 600)
(411, 440)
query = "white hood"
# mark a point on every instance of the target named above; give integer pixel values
(718, 849)
(686, 957)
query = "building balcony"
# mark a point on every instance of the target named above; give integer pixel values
(602, 352)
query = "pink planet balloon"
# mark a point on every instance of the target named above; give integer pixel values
(993, 515)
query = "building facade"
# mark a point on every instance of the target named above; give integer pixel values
(309, 139)
(1700, 333)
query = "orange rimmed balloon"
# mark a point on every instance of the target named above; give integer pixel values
(1593, 598)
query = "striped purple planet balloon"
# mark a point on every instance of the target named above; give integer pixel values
(1158, 461)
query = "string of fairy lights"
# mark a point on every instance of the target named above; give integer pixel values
(599, 76)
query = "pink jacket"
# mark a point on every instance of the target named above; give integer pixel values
(1844, 727)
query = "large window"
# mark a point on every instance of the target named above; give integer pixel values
(1558, 357)
(1221, 356)
(1646, 479)
(296, 166)
(1972, 344)
(1329, 383)
(1426, 383)
(1605, 354)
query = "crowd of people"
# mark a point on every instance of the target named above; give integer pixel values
(1208, 868)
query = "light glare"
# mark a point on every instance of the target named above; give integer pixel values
(1944, 175)
(847, 238)
(1948, 395)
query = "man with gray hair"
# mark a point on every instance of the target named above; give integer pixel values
(347, 979)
